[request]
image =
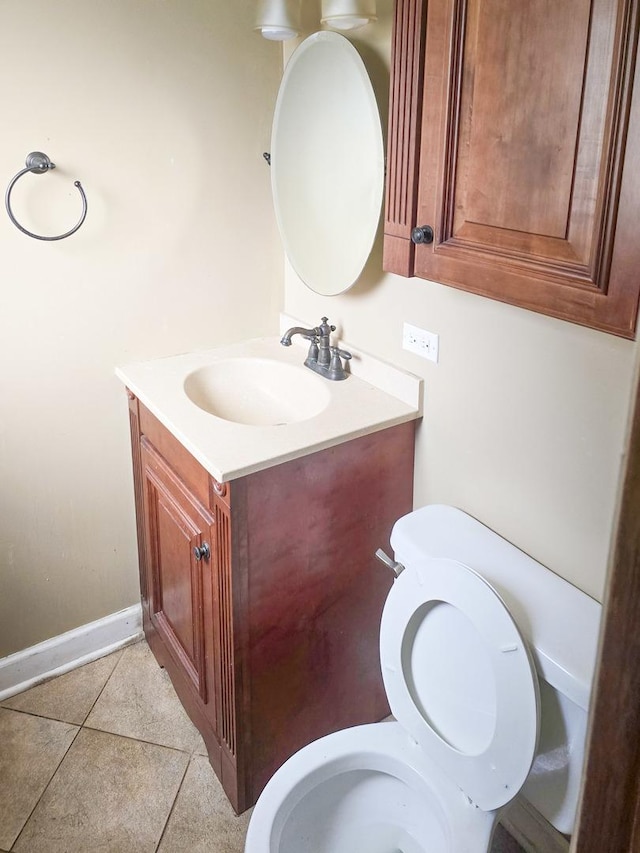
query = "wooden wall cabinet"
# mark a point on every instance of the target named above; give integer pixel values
(514, 133)
(261, 597)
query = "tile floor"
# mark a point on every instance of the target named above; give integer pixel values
(89, 765)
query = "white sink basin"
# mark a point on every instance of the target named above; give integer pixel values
(257, 391)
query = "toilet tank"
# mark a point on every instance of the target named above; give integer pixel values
(560, 623)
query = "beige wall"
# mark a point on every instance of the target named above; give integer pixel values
(162, 109)
(525, 415)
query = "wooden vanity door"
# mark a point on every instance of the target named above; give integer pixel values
(177, 523)
(510, 124)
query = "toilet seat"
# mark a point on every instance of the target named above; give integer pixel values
(460, 679)
(366, 788)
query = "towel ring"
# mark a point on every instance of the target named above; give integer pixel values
(39, 163)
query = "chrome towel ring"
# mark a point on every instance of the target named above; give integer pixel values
(39, 163)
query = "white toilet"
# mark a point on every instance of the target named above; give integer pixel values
(487, 659)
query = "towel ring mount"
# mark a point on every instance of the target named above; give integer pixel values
(39, 163)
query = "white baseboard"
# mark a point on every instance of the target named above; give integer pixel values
(67, 651)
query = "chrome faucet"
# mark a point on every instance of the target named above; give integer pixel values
(322, 358)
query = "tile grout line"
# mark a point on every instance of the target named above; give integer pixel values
(40, 717)
(46, 787)
(173, 804)
(187, 752)
(104, 687)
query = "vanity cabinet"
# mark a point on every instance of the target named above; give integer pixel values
(514, 146)
(262, 597)
(178, 530)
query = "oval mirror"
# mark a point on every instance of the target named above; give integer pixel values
(327, 163)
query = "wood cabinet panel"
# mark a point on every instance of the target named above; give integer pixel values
(518, 161)
(176, 524)
(316, 590)
(179, 459)
(520, 100)
(272, 642)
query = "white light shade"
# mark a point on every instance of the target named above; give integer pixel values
(348, 14)
(278, 20)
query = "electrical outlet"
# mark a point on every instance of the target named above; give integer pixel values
(420, 342)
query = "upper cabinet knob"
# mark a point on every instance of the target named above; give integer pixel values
(423, 234)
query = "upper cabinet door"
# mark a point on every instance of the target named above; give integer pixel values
(515, 136)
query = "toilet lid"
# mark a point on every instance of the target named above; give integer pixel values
(460, 679)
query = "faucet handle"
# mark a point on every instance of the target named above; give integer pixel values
(336, 368)
(343, 353)
(326, 327)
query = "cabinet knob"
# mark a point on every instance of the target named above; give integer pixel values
(423, 234)
(202, 553)
(219, 488)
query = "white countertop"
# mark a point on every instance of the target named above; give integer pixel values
(228, 450)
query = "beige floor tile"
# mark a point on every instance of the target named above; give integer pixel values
(199, 749)
(110, 795)
(202, 818)
(139, 702)
(67, 697)
(30, 750)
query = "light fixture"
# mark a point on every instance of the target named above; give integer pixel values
(278, 20)
(348, 14)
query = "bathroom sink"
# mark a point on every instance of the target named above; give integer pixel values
(250, 405)
(257, 391)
